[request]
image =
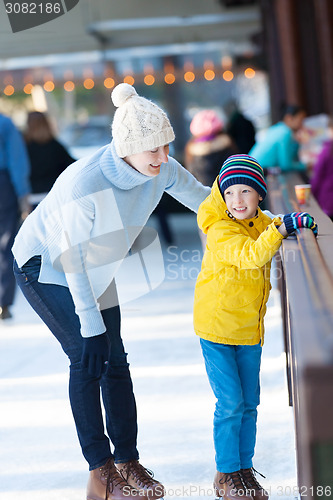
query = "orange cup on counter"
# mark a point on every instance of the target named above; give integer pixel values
(303, 193)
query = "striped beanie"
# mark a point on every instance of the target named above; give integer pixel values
(242, 169)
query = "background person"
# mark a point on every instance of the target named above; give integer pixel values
(240, 129)
(322, 175)
(231, 293)
(205, 152)
(279, 145)
(48, 158)
(14, 190)
(96, 209)
(208, 147)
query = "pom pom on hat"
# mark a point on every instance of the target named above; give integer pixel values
(139, 124)
(121, 93)
(206, 123)
(242, 169)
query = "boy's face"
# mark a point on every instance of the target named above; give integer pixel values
(242, 201)
(149, 162)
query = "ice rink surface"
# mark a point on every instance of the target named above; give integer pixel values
(39, 452)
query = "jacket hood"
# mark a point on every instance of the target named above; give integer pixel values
(212, 209)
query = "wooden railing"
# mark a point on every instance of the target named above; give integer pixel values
(306, 285)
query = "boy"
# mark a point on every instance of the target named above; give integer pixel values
(229, 307)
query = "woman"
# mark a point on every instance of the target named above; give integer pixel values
(67, 253)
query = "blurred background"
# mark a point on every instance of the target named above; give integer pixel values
(184, 54)
(187, 55)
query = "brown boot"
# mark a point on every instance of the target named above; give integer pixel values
(141, 478)
(105, 483)
(230, 486)
(251, 483)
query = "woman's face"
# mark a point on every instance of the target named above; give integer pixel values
(149, 162)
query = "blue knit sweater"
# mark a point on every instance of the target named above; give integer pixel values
(87, 223)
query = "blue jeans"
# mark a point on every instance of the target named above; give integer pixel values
(233, 372)
(54, 304)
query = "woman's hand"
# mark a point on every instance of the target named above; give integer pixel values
(95, 354)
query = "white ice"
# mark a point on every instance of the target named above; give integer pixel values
(39, 453)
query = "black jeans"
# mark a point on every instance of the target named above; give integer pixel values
(54, 304)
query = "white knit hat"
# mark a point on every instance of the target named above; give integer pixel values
(138, 125)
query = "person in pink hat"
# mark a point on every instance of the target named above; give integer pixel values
(207, 149)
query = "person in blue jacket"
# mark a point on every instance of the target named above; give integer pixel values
(14, 190)
(67, 253)
(278, 147)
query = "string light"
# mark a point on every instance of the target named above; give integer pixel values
(209, 74)
(171, 75)
(27, 89)
(149, 79)
(109, 83)
(69, 86)
(228, 75)
(169, 78)
(9, 90)
(89, 83)
(49, 86)
(189, 76)
(249, 73)
(129, 79)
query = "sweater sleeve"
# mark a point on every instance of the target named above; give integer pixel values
(184, 187)
(233, 247)
(74, 261)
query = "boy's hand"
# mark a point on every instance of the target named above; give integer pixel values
(297, 220)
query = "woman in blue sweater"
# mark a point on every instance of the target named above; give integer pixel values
(66, 255)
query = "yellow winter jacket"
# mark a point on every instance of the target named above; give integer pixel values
(233, 285)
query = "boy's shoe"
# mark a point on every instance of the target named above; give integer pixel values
(141, 478)
(252, 485)
(230, 486)
(105, 483)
